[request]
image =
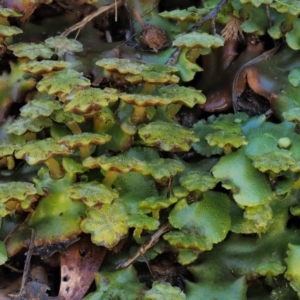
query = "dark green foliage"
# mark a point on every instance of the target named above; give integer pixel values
(116, 142)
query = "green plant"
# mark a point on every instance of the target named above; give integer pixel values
(118, 146)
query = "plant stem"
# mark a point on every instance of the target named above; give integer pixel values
(296, 184)
(103, 121)
(110, 177)
(137, 234)
(10, 162)
(30, 136)
(227, 149)
(99, 124)
(155, 214)
(84, 152)
(288, 20)
(54, 168)
(138, 114)
(138, 18)
(74, 127)
(147, 88)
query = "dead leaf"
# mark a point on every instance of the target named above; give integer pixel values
(78, 267)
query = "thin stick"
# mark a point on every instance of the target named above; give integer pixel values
(169, 187)
(269, 15)
(146, 261)
(91, 16)
(143, 249)
(174, 57)
(77, 34)
(16, 227)
(27, 262)
(12, 268)
(138, 18)
(116, 11)
(210, 16)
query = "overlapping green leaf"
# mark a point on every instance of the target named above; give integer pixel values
(7, 31)
(39, 151)
(164, 168)
(167, 136)
(61, 116)
(292, 273)
(7, 149)
(62, 82)
(291, 7)
(257, 22)
(224, 139)
(9, 12)
(198, 40)
(92, 193)
(127, 183)
(164, 291)
(31, 50)
(293, 36)
(120, 163)
(202, 129)
(24, 124)
(257, 3)
(198, 181)
(275, 161)
(180, 15)
(122, 284)
(154, 74)
(182, 95)
(16, 190)
(44, 66)
(197, 220)
(63, 45)
(248, 185)
(225, 289)
(155, 204)
(61, 214)
(107, 224)
(3, 253)
(294, 77)
(123, 66)
(231, 123)
(141, 222)
(41, 106)
(268, 135)
(84, 139)
(90, 100)
(253, 219)
(144, 100)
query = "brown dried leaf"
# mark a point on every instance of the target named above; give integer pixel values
(78, 266)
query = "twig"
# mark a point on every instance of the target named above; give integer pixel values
(174, 57)
(116, 11)
(169, 187)
(138, 18)
(143, 249)
(12, 268)
(91, 16)
(27, 261)
(210, 16)
(146, 261)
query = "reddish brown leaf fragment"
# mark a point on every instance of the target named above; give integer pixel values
(78, 266)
